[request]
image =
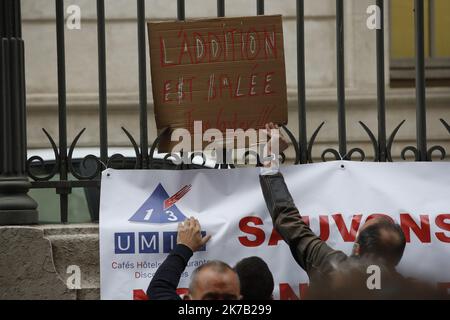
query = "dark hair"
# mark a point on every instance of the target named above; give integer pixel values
(384, 240)
(216, 265)
(255, 278)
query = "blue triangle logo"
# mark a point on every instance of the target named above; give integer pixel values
(152, 210)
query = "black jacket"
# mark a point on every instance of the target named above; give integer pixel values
(165, 281)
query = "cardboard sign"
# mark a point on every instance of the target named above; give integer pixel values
(228, 73)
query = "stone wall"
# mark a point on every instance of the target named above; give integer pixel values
(34, 262)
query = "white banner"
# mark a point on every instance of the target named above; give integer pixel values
(140, 210)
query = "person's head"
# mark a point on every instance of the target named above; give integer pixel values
(381, 238)
(255, 278)
(214, 280)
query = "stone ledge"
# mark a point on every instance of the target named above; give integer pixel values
(34, 260)
(68, 229)
(119, 10)
(325, 98)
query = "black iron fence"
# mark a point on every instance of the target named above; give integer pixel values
(17, 208)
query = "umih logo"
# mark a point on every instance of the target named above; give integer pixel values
(160, 207)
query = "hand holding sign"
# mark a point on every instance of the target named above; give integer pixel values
(273, 131)
(276, 145)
